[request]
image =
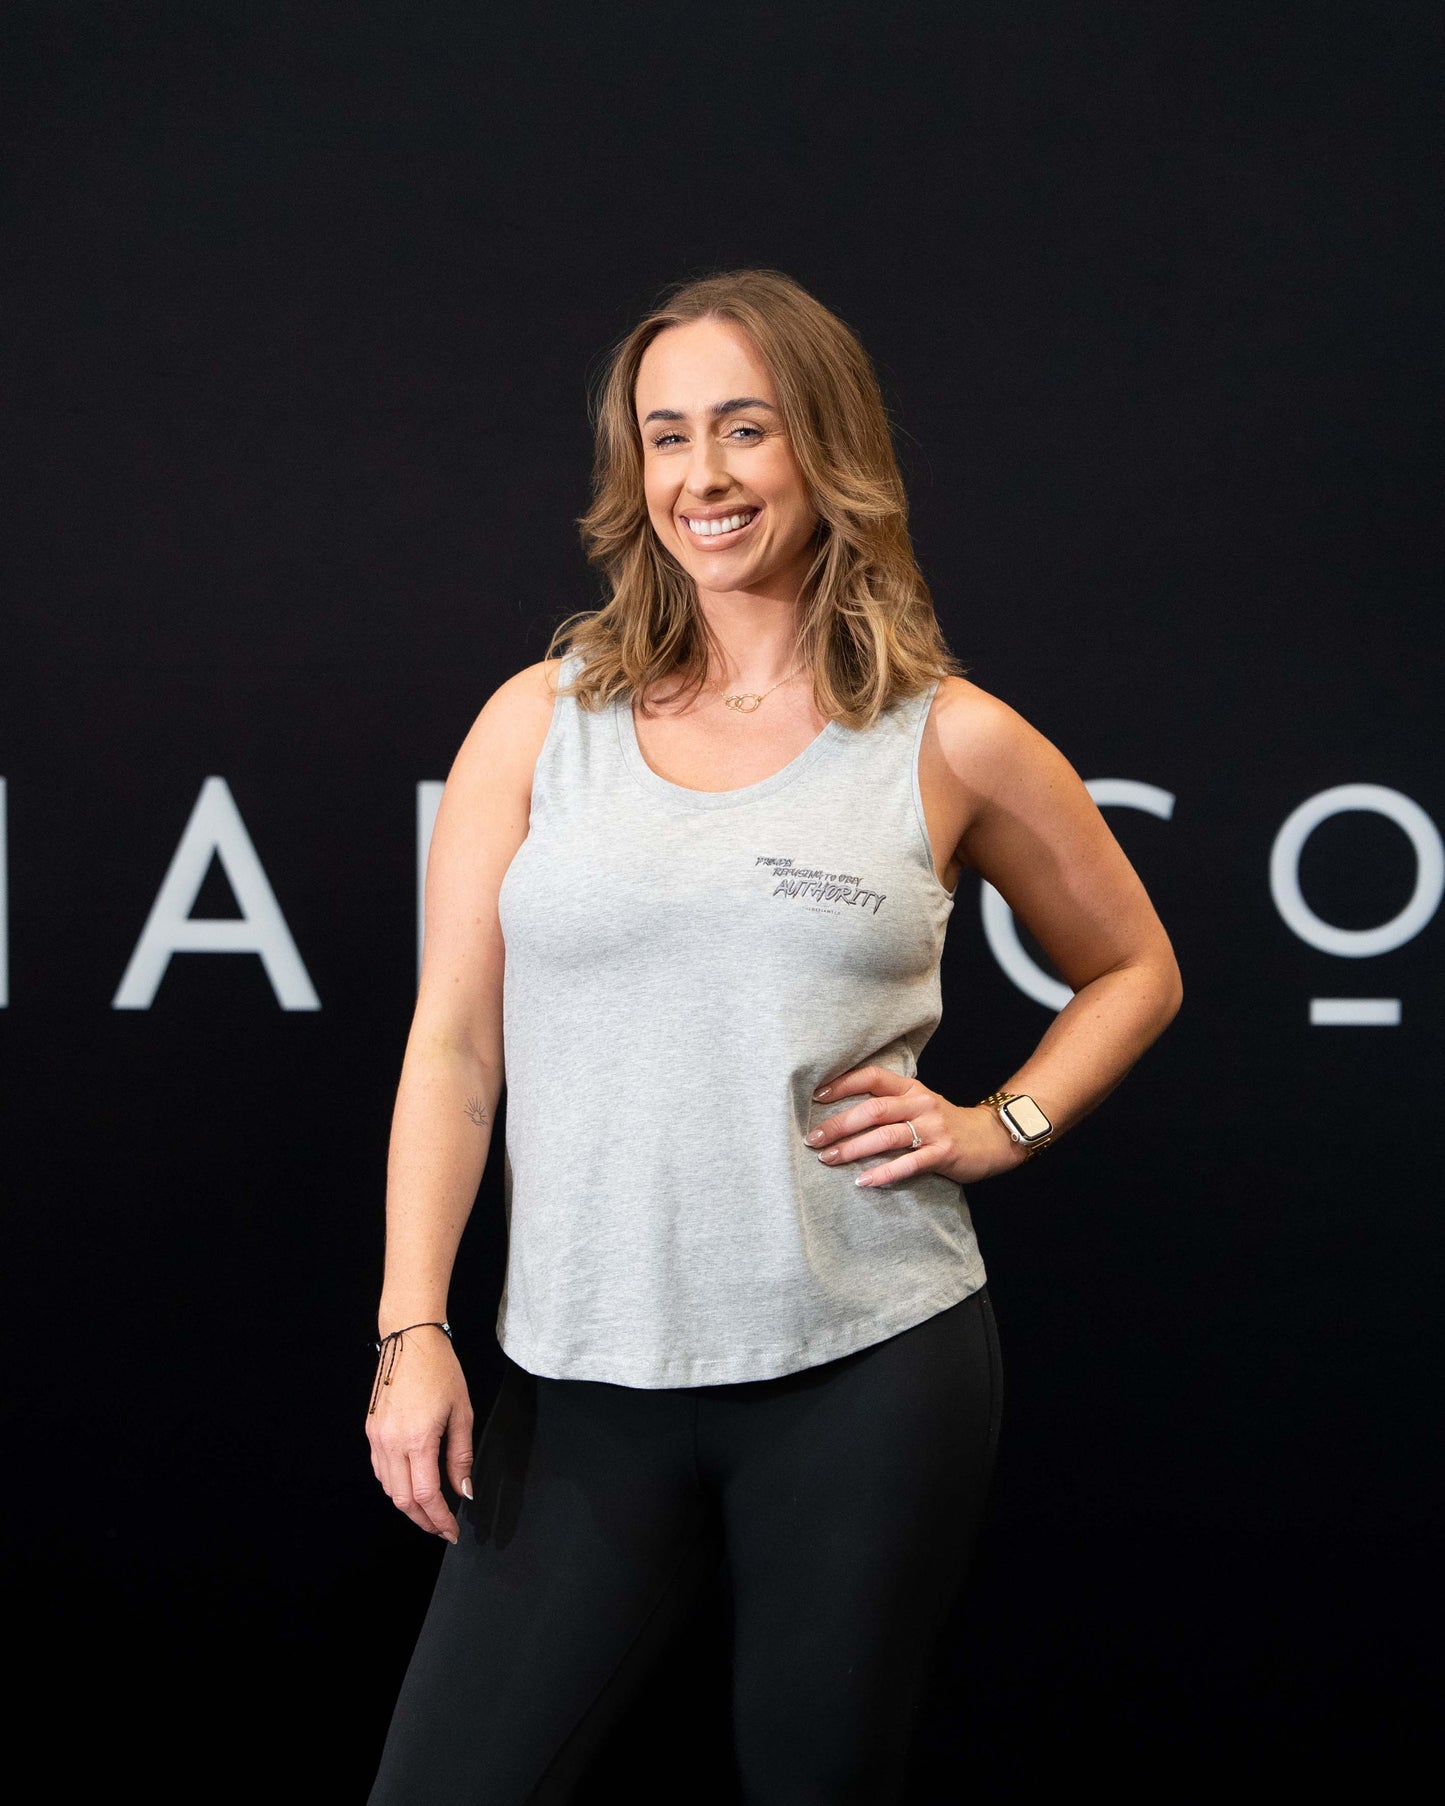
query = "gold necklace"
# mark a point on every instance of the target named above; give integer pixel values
(747, 700)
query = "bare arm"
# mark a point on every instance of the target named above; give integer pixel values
(451, 1084)
(1034, 832)
(1039, 838)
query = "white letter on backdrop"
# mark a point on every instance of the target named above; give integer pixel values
(215, 827)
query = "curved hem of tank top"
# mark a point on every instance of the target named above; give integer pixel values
(684, 798)
(816, 1353)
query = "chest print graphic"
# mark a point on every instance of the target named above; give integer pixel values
(826, 893)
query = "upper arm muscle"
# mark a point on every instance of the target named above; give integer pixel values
(1038, 837)
(481, 821)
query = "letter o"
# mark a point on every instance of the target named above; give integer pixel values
(1357, 943)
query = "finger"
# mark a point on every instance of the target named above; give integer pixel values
(914, 1160)
(877, 1079)
(871, 1114)
(426, 1492)
(398, 1486)
(459, 1452)
(889, 1138)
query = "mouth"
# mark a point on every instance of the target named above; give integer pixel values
(707, 533)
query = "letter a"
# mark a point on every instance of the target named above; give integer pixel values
(215, 828)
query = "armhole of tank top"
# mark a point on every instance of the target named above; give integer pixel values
(550, 738)
(925, 843)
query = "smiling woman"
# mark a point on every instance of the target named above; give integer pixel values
(686, 897)
(743, 395)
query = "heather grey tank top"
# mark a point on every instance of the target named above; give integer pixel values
(683, 968)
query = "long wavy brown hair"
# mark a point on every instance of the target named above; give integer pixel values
(866, 621)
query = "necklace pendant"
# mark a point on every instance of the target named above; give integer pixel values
(745, 703)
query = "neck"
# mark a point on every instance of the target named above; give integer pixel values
(756, 640)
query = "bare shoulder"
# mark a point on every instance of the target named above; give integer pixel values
(1034, 832)
(506, 737)
(523, 703)
(987, 745)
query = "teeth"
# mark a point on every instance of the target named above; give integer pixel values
(709, 529)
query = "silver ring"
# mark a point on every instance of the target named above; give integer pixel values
(917, 1138)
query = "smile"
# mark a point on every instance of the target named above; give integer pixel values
(729, 527)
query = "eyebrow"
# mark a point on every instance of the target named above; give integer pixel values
(717, 410)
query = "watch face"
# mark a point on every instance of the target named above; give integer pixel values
(1027, 1118)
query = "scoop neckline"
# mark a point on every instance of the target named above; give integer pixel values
(681, 796)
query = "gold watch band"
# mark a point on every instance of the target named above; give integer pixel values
(995, 1099)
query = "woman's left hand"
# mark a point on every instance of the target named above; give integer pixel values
(962, 1143)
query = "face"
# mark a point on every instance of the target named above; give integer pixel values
(714, 446)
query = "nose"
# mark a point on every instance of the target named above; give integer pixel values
(707, 468)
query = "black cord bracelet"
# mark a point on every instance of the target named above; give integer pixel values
(388, 1348)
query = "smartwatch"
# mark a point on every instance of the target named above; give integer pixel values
(1023, 1119)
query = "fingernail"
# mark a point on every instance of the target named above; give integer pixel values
(467, 1488)
(862, 1179)
(815, 1135)
(829, 1154)
(822, 1091)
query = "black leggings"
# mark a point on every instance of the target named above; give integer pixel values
(845, 1500)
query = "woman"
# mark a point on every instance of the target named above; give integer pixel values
(691, 879)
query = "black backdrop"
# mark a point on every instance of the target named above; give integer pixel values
(301, 303)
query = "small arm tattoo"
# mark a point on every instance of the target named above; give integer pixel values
(477, 1110)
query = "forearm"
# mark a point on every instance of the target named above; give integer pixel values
(441, 1129)
(1096, 1039)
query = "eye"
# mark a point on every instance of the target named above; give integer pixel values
(663, 439)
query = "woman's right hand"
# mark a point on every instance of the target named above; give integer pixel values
(425, 1403)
